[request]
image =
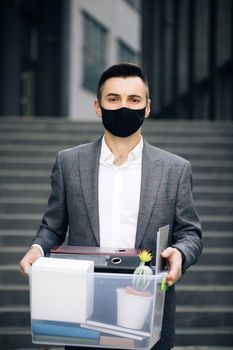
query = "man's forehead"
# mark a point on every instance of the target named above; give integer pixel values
(118, 85)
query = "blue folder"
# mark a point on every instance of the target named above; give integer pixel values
(63, 329)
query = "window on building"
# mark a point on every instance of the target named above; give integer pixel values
(94, 51)
(137, 4)
(126, 54)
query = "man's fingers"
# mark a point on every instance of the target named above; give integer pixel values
(24, 265)
(23, 268)
(174, 263)
(29, 258)
(173, 275)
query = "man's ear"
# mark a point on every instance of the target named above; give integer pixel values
(147, 108)
(97, 109)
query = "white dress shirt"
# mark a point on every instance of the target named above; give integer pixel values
(119, 196)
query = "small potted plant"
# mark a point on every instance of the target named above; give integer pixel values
(134, 301)
(140, 284)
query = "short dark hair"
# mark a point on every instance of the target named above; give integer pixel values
(121, 70)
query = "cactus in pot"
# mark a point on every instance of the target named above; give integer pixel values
(138, 297)
(140, 279)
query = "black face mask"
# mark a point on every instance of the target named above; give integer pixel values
(123, 122)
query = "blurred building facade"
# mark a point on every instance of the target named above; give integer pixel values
(188, 54)
(102, 33)
(53, 53)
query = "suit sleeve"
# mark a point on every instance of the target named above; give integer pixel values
(53, 229)
(187, 228)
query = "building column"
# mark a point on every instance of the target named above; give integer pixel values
(191, 58)
(212, 58)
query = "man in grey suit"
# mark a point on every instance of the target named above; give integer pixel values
(117, 192)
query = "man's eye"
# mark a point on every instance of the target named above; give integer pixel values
(135, 100)
(112, 99)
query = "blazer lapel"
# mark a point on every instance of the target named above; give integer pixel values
(89, 170)
(152, 168)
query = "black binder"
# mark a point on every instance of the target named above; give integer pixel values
(121, 260)
(105, 260)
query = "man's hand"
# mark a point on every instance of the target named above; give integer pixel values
(174, 264)
(29, 258)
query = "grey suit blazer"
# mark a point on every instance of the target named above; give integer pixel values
(166, 199)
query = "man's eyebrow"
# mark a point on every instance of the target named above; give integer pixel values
(135, 95)
(112, 94)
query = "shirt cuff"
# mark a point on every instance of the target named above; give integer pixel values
(39, 247)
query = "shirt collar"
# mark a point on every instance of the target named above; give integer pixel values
(107, 156)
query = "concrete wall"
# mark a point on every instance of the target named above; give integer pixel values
(121, 21)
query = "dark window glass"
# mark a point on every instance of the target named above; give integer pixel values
(126, 54)
(94, 51)
(137, 4)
